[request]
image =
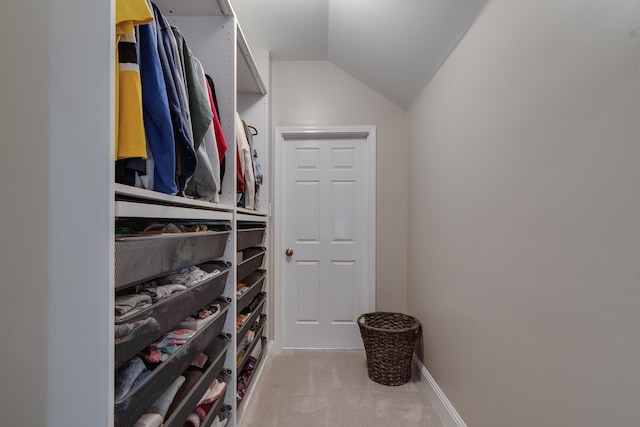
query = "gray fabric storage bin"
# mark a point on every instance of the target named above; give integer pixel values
(249, 237)
(217, 351)
(130, 408)
(258, 337)
(172, 310)
(139, 258)
(242, 331)
(255, 283)
(252, 259)
(225, 375)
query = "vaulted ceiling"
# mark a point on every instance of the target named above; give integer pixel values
(393, 46)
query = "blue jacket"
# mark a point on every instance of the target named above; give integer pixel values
(157, 118)
(185, 153)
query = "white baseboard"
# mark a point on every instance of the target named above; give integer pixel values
(449, 415)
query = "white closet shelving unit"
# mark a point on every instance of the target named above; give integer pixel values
(254, 108)
(215, 38)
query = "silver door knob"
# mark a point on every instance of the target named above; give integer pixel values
(288, 252)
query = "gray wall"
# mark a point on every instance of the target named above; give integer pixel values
(24, 173)
(317, 93)
(524, 216)
(56, 130)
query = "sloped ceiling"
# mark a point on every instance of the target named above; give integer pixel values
(393, 46)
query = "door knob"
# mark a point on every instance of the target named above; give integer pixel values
(288, 252)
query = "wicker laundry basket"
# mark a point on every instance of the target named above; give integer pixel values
(389, 340)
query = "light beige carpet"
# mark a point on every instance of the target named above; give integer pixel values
(332, 389)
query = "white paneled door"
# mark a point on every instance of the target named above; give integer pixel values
(327, 237)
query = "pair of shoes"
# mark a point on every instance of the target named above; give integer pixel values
(162, 228)
(194, 229)
(173, 228)
(125, 231)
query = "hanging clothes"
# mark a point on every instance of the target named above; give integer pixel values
(130, 138)
(129, 170)
(205, 181)
(221, 141)
(212, 145)
(196, 95)
(180, 82)
(239, 174)
(167, 52)
(257, 168)
(246, 163)
(212, 87)
(161, 162)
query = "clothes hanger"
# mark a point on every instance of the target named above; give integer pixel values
(251, 128)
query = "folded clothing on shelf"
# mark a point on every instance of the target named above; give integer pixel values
(210, 397)
(214, 392)
(247, 312)
(241, 289)
(257, 350)
(244, 345)
(140, 228)
(128, 331)
(158, 411)
(241, 319)
(188, 276)
(149, 420)
(256, 325)
(159, 292)
(175, 228)
(240, 355)
(191, 378)
(141, 378)
(243, 378)
(202, 317)
(162, 404)
(144, 295)
(206, 312)
(200, 361)
(126, 375)
(160, 350)
(125, 304)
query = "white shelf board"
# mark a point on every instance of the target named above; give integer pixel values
(248, 76)
(249, 79)
(249, 215)
(145, 210)
(194, 7)
(154, 196)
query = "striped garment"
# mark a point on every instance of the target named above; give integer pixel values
(130, 138)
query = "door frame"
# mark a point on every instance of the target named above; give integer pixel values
(282, 134)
